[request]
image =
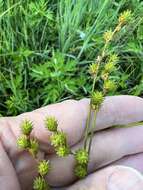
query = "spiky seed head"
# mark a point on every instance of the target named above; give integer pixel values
(58, 139)
(23, 142)
(63, 151)
(125, 17)
(109, 67)
(40, 184)
(34, 146)
(81, 156)
(51, 124)
(109, 85)
(43, 167)
(113, 58)
(104, 75)
(80, 171)
(108, 35)
(96, 99)
(93, 68)
(26, 127)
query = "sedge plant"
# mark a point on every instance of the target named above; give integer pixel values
(101, 69)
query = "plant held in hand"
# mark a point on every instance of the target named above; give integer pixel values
(101, 69)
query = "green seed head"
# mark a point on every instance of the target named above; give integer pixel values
(96, 99)
(63, 151)
(108, 35)
(34, 146)
(109, 67)
(81, 156)
(43, 167)
(40, 184)
(93, 68)
(109, 85)
(26, 127)
(58, 139)
(125, 17)
(113, 58)
(51, 124)
(104, 75)
(80, 171)
(23, 142)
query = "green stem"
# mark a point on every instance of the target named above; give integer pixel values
(134, 124)
(92, 131)
(87, 126)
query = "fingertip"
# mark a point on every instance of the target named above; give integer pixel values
(125, 178)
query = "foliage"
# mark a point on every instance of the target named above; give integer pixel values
(47, 46)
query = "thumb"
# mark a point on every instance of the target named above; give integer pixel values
(111, 178)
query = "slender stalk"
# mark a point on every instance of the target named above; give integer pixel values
(134, 124)
(92, 131)
(87, 130)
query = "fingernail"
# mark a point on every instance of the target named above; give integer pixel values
(125, 178)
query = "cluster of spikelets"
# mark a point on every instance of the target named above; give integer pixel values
(102, 69)
(58, 138)
(59, 141)
(25, 142)
(105, 65)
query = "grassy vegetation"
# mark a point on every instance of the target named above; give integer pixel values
(46, 47)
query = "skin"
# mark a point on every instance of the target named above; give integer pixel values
(114, 151)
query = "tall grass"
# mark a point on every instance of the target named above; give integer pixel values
(46, 47)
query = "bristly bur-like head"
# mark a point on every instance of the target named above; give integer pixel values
(51, 124)
(23, 142)
(26, 127)
(34, 147)
(58, 139)
(93, 68)
(63, 151)
(97, 98)
(40, 184)
(109, 86)
(80, 171)
(43, 167)
(125, 17)
(108, 35)
(81, 156)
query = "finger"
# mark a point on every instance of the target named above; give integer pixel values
(72, 115)
(8, 178)
(134, 161)
(107, 147)
(23, 162)
(111, 178)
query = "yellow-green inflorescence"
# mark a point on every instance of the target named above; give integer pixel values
(58, 138)
(40, 184)
(51, 124)
(82, 159)
(59, 141)
(25, 142)
(97, 98)
(26, 127)
(80, 170)
(43, 167)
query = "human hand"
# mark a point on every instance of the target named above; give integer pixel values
(122, 146)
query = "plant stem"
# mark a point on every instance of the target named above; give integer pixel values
(92, 130)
